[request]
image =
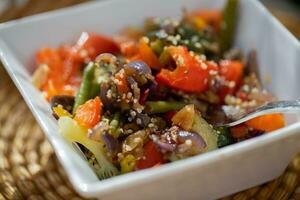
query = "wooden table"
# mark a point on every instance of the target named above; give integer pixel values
(28, 166)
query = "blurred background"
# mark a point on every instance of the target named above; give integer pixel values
(288, 11)
(28, 166)
(292, 6)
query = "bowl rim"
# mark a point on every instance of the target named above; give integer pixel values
(122, 181)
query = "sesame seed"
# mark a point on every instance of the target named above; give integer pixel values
(178, 37)
(174, 42)
(254, 90)
(133, 113)
(188, 142)
(213, 63)
(231, 100)
(202, 57)
(203, 66)
(185, 42)
(129, 131)
(120, 155)
(172, 39)
(153, 120)
(162, 34)
(198, 45)
(192, 53)
(151, 125)
(83, 53)
(116, 81)
(180, 61)
(246, 88)
(109, 94)
(129, 95)
(213, 72)
(146, 39)
(198, 59)
(195, 38)
(252, 103)
(138, 121)
(231, 84)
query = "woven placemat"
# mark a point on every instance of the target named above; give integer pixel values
(28, 166)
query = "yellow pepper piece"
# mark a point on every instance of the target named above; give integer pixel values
(199, 22)
(60, 112)
(128, 163)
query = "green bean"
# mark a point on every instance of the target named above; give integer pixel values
(228, 24)
(114, 125)
(95, 90)
(165, 58)
(153, 107)
(157, 47)
(224, 137)
(84, 93)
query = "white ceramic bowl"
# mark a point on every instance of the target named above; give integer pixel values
(206, 176)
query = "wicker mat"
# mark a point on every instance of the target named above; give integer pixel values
(30, 170)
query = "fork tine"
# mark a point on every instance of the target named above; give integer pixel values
(292, 106)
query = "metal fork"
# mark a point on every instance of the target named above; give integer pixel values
(292, 106)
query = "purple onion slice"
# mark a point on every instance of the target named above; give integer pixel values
(191, 138)
(140, 67)
(112, 144)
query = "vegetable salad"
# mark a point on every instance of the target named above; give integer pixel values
(154, 94)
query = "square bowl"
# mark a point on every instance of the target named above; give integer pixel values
(208, 176)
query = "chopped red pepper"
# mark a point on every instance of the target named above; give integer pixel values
(190, 75)
(122, 84)
(152, 157)
(232, 71)
(91, 45)
(60, 72)
(89, 113)
(128, 48)
(147, 55)
(64, 63)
